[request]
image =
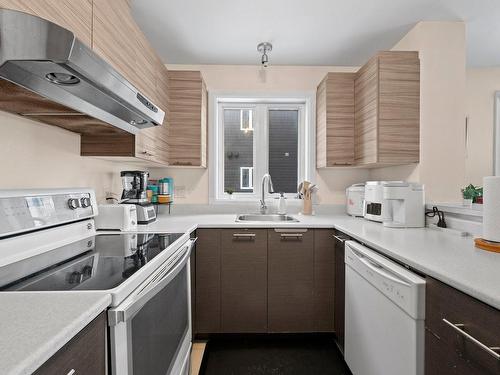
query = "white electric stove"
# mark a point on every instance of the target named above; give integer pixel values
(48, 242)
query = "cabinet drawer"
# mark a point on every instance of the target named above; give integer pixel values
(85, 354)
(463, 324)
(441, 359)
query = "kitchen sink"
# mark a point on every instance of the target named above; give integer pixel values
(266, 217)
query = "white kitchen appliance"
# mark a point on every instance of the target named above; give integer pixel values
(355, 196)
(405, 204)
(122, 217)
(374, 206)
(48, 243)
(384, 315)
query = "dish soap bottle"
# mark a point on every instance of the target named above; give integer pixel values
(282, 205)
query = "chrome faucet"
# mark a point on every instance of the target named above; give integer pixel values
(266, 177)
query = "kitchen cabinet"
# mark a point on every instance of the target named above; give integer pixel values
(85, 354)
(290, 280)
(264, 280)
(118, 40)
(244, 280)
(459, 331)
(74, 15)
(387, 110)
(335, 120)
(339, 299)
(324, 280)
(188, 119)
(370, 118)
(208, 281)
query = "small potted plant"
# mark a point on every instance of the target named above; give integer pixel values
(471, 194)
(479, 196)
(230, 192)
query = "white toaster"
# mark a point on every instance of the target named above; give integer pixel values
(121, 217)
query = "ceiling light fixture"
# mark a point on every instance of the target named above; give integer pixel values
(264, 48)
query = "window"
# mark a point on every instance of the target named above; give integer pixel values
(246, 178)
(256, 136)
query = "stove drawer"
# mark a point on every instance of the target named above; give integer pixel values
(85, 354)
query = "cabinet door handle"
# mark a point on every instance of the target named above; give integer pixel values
(296, 236)
(459, 328)
(244, 236)
(71, 372)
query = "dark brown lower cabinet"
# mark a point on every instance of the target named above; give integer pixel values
(290, 280)
(208, 281)
(244, 280)
(264, 280)
(324, 280)
(339, 299)
(459, 331)
(84, 354)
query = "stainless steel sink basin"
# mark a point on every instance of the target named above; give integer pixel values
(267, 218)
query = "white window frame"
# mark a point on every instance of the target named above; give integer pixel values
(250, 178)
(219, 100)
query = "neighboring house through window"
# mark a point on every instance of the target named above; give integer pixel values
(246, 178)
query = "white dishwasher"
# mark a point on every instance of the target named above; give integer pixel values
(384, 315)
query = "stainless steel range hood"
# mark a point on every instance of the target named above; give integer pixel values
(60, 80)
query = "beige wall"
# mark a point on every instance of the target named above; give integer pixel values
(442, 48)
(481, 86)
(279, 79)
(35, 155)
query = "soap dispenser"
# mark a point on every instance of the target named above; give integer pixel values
(282, 205)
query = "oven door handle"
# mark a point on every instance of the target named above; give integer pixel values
(131, 306)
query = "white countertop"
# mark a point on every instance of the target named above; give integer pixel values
(447, 257)
(35, 325)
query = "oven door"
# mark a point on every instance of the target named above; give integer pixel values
(150, 331)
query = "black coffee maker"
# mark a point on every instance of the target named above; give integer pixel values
(135, 185)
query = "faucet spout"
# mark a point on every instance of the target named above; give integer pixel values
(265, 178)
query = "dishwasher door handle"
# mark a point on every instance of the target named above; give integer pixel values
(378, 268)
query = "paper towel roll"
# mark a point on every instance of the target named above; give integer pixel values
(491, 208)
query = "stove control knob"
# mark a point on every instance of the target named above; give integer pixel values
(73, 203)
(85, 202)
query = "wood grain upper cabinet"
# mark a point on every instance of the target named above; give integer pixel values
(74, 15)
(387, 110)
(335, 120)
(244, 280)
(462, 333)
(187, 119)
(114, 36)
(84, 354)
(290, 280)
(118, 40)
(324, 280)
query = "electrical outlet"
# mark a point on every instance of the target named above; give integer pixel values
(180, 191)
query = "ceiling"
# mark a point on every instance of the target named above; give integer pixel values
(306, 32)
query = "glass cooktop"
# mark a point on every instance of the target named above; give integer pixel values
(96, 263)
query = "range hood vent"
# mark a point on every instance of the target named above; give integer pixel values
(49, 75)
